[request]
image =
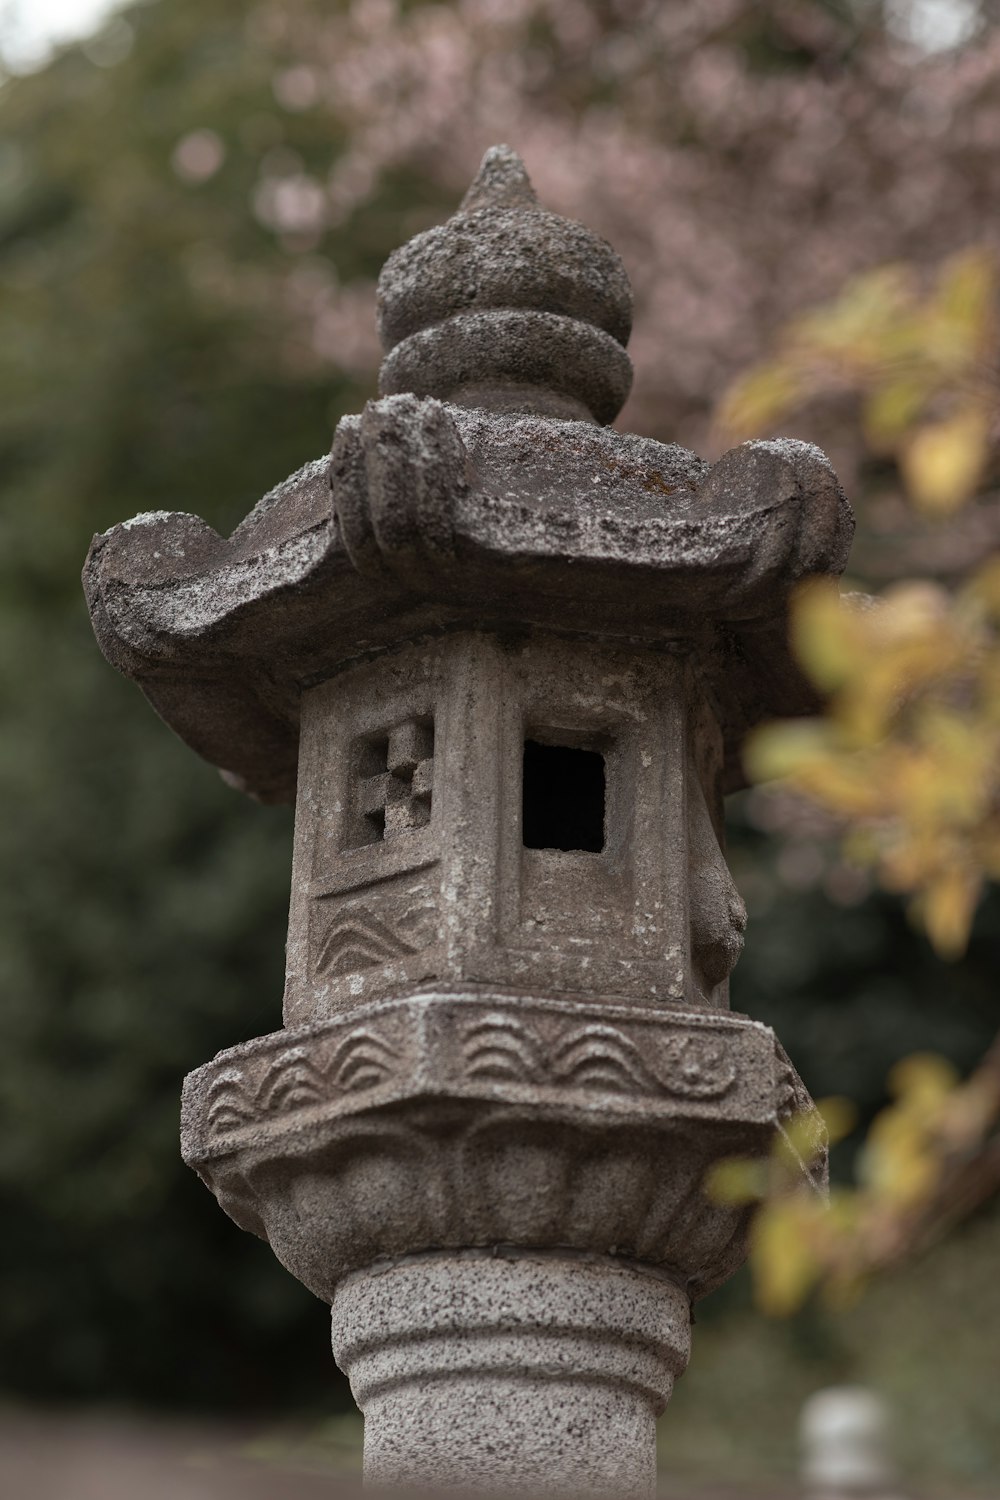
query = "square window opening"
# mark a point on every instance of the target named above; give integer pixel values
(563, 798)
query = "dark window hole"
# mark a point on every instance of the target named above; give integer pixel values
(372, 755)
(563, 798)
(375, 826)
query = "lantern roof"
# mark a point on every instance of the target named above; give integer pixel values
(480, 492)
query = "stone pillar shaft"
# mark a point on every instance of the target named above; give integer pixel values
(513, 1372)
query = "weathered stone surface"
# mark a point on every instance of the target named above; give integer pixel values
(504, 660)
(502, 251)
(514, 1372)
(509, 300)
(487, 507)
(535, 361)
(470, 1119)
(442, 518)
(422, 872)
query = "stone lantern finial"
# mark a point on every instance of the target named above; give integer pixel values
(503, 659)
(501, 182)
(508, 307)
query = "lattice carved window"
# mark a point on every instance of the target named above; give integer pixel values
(392, 782)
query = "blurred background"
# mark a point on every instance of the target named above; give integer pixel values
(195, 199)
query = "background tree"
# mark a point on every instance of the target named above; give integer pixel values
(905, 762)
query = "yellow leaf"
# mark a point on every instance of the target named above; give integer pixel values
(893, 408)
(780, 749)
(802, 1139)
(922, 1079)
(784, 1263)
(897, 1164)
(845, 784)
(966, 296)
(856, 327)
(943, 462)
(826, 634)
(946, 907)
(736, 1181)
(756, 402)
(839, 1115)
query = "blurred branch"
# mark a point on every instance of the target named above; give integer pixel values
(930, 1159)
(968, 1178)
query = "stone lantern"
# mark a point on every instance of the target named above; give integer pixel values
(502, 657)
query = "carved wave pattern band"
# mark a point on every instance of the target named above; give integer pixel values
(598, 1057)
(295, 1080)
(492, 1048)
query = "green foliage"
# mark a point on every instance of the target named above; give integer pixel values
(143, 921)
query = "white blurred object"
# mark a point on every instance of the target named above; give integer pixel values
(32, 30)
(844, 1435)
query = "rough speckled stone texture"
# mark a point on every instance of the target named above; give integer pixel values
(507, 295)
(504, 660)
(411, 872)
(527, 351)
(471, 1119)
(514, 1373)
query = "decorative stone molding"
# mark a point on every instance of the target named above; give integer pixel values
(483, 1045)
(474, 1120)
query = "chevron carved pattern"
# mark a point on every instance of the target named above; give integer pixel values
(359, 941)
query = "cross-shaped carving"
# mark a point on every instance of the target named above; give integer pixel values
(395, 779)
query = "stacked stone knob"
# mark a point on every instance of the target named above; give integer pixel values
(508, 307)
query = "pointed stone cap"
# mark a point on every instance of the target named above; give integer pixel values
(501, 182)
(507, 306)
